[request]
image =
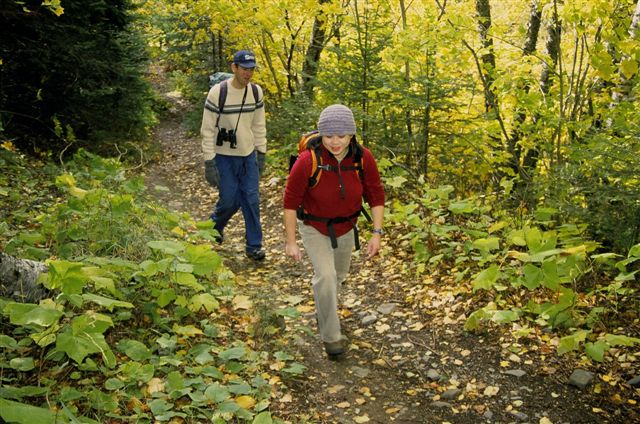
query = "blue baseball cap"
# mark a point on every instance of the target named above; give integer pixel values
(245, 58)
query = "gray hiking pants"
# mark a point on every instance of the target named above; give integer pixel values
(330, 269)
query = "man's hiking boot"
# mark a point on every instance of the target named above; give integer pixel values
(335, 350)
(256, 255)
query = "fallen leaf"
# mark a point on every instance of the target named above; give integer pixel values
(545, 420)
(335, 389)
(361, 419)
(242, 302)
(491, 391)
(155, 385)
(343, 405)
(246, 402)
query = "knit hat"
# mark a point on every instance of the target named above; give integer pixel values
(336, 120)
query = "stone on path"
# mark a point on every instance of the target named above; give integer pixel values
(580, 378)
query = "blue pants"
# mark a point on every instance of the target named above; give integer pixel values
(238, 188)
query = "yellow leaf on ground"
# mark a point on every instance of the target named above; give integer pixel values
(335, 389)
(155, 385)
(286, 398)
(246, 402)
(545, 420)
(361, 419)
(343, 405)
(491, 391)
(242, 302)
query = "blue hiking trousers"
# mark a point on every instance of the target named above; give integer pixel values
(239, 189)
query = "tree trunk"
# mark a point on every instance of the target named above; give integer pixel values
(312, 57)
(19, 279)
(488, 58)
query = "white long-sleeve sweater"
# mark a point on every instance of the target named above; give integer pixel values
(251, 128)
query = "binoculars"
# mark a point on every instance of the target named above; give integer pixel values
(226, 135)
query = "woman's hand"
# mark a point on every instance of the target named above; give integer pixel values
(292, 250)
(373, 246)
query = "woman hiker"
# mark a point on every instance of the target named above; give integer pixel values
(327, 207)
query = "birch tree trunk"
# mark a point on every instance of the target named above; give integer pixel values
(19, 279)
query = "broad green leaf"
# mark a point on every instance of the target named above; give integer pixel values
(550, 275)
(487, 244)
(203, 300)
(628, 67)
(239, 387)
(263, 418)
(533, 276)
(295, 369)
(233, 353)
(572, 342)
(22, 364)
(17, 393)
(187, 330)
(204, 260)
(503, 317)
(165, 297)
(135, 371)
(106, 302)
(486, 278)
(217, 393)
(134, 350)
(78, 347)
(20, 413)
(596, 350)
(31, 314)
(620, 340)
(7, 342)
(113, 384)
(103, 401)
(168, 247)
(175, 382)
(188, 280)
(462, 207)
(91, 322)
(68, 277)
(396, 182)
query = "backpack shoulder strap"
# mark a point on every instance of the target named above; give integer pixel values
(254, 89)
(222, 97)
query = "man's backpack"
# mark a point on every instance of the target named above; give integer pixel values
(312, 141)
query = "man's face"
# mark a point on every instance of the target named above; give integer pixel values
(243, 75)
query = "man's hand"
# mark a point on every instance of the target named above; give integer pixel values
(261, 160)
(211, 173)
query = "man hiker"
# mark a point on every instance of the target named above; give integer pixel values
(234, 145)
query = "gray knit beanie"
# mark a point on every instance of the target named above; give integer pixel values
(336, 120)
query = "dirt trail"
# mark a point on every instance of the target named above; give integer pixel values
(406, 364)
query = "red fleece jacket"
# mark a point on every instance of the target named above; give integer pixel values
(325, 199)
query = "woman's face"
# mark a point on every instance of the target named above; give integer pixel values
(336, 144)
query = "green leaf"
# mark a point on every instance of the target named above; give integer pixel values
(22, 364)
(203, 300)
(217, 393)
(288, 312)
(20, 413)
(503, 317)
(487, 244)
(134, 350)
(29, 314)
(486, 278)
(462, 207)
(204, 260)
(572, 342)
(596, 350)
(69, 277)
(295, 369)
(233, 353)
(78, 347)
(165, 297)
(7, 342)
(167, 247)
(533, 276)
(263, 418)
(619, 340)
(106, 302)
(188, 280)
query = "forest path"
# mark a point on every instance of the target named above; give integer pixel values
(406, 364)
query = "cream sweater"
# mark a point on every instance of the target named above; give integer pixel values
(251, 132)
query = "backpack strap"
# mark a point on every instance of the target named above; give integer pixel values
(222, 98)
